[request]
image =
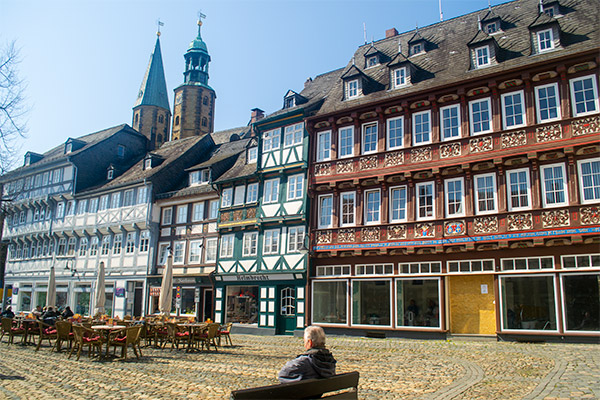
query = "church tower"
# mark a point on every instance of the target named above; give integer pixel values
(151, 111)
(194, 110)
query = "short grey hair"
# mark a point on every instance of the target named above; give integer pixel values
(316, 334)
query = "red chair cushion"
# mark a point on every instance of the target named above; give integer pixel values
(224, 332)
(71, 334)
(182, 334)
(91, 339)
(17, 330)
(162, 331)
(49, 331)
(121, 339)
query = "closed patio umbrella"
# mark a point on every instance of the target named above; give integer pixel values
(166, 289)
(100, 290)
(51, 294)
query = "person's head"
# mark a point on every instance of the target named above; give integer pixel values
(67, 308)
(38, 308)
(314, 336)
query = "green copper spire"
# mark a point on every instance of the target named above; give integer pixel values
(153, 91)
(197, 59)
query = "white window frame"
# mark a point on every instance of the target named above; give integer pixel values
(130, 243)
(478, 211)
(291, 133)
(422, 133)
(523, 115)
(271, 140)
(565, 190)
(182, 214)
(352, 213)
(320, 211)
(537, 103)
(447, 182)
(295, 187)
(252, 193)
(250, 244)
(128, 198)
(352, 89)
(144, 241)
(198, 212)
(271, 191)
(489, 121)
(582, 188)
(346, 129)
(508, 190)
(118, 243)
(323, 147)
(239, 195)
(399, 125)
(271, 241)
(252, 155)
(195, 256)
(211, 250)
(83, 246)
(550, 38)
(594, 89)
(376, 212)
(296, 238)
(443, 121)
(227, 242)
(482, 56)
(418, 201)
(398, 77)
(213, 211)
(227, 197)
(364, 134)
(163, 253)
(391, 297)
(167, 216)
(179, 252)
(391, 203)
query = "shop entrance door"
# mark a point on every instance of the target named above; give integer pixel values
(286, 316)
(207, 305)
(472, 308)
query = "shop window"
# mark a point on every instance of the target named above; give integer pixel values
(82, 301)
(528, 303)
(581, 302)
(188, 303)
(25, 299)
(418, 302)
(371, 302)
(330, 302)
(242, 306)
(40, 296)
(288, 301)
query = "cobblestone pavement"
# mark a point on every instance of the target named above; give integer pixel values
(389, 369)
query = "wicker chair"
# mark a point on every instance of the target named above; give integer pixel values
(8, 329)
(63, 334)
(209, 336)
(132, 336)
(225, 332)
(86, 337)
(47, 332)
(175, 335)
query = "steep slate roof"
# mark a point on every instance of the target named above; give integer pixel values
(240, 168)
(447, 60)
(225, 136)
(153, 91)
(57, 154)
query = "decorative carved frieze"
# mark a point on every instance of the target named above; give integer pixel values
(251, 213)
(323, 237)
(393, 159)
(237, 215)
(548, 133)
(513, 139)
(323, 169)
(519, 222)
(419, 155)
(555, 218)
(478, 145)
(455, 228)
(344, 166)
(450, 150)
(426, 229)
(225, 216)
(370, 234)
(369, 162)
(585, 126)
(485, 225)
(590, 215)
(396, 232)
(346, 236)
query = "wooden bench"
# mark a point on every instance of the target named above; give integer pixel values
(306, 389)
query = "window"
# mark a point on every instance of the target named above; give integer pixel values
(372, 61)
(418, 302)
(81, 207)
(70, 207)
(289, 102)
(352, 89)
(252, 193)
(105, 245)
(369, 138)
(93, 205)
(375, 269)
(481, 116)
(450, 122)
(60, 212)
(118, 243)
(182, 214)
(395, 133)
(110, 173)
(324, 146)
(198, 212)
(422, 127)
(295, 187)
(195, 252)
(416, 48)
(70, 246)
(455, 200)
(240, 193)
(227, 246)
(271, 241)
(584, 95)
(420, 268)
(521, 310)
(425, 201)
(179, 252)
(128, 198)
(295, 239)
(491, 27)
(547, 103)
(485, 194)
(130, 245)
(325, 211)
(346, 145)
(163, 253)
(93, 246)
(518, 190)
(371, 302)
(554, 185)
(398, 204)
(226, 197)
(545, 40)
(83, 244)
(271, 194)
(250, 244)
(204, 121)
(589, 180)
(293, 134)
(581, 261)
(194, 178)
(271, 140)
(167, 216)
(398, 77)
(144, 241)
(120, 151)
(252, 155)
(348, 208)
(115, 201)
(482, 57)
(581, 302)
(372, 206)
(148, 163)
(211, 250)
(329, 305)
(469, 266)
(214, 209)
(513, 110)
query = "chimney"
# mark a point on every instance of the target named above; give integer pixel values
(391, 33)
(308, 81)
(256, 115)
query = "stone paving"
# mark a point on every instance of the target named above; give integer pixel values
(389, 369)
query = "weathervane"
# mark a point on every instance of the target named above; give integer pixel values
(200, 17)
(159, 24)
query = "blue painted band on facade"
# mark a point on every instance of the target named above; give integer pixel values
(469, 239)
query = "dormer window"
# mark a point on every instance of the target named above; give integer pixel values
(352, 89)
(545, 40)
(120, 151)
(199, 177)
(416, 48)
(398, 77)
(27, 159)
(551, 10)
(482, 57)
(290, 102)
(252, 155)
(110, 173)
(148, 163)
(68, 148)
(372, 61)
(491, 27)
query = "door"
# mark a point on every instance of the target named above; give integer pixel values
(286, 317)
(137, 301)
(207, 305)
(472, 309)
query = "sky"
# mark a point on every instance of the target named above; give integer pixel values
(83, 61)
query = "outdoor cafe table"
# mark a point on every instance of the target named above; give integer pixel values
(194, 329)
(29, 325)
(105, 331)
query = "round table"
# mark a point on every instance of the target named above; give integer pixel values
(105, 330)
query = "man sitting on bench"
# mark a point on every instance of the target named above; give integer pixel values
(316, 362)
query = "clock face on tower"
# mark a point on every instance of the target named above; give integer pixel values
(178, 98)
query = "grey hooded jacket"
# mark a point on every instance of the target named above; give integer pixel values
(317, 362)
